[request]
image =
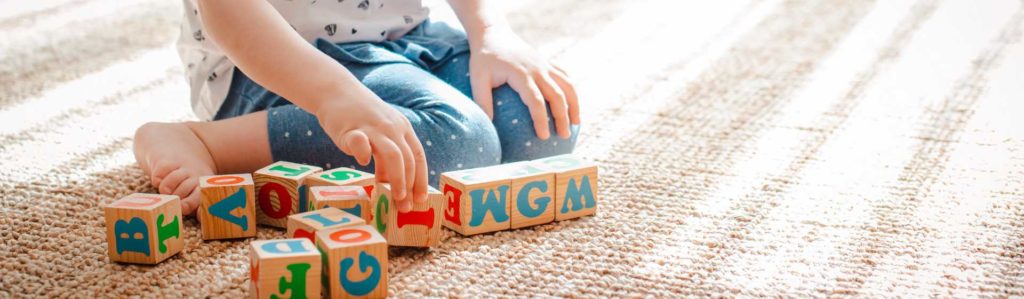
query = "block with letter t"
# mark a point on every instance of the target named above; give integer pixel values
(477, 200)
(288, 268)
(576, 190)
(144, 228)
(280, 191)
(355, 262)
(227, 206)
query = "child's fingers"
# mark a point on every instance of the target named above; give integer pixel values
(556, 100)
(533, 99)
(171, 181)
(419, 188)
(410, 167)
(358, 146)
(571, 98)
(480, 82)
(389, 157)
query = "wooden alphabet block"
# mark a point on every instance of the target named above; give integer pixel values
(356, 260)
(280, 191)
(227, 207)
(576, 190)
(477, 200)
(289, 268)
(352, 199)
(305, 225)
(342, 176)
(532, 194)
(420, 227)
(144, 228)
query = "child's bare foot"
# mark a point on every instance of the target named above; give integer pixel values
(174, 157)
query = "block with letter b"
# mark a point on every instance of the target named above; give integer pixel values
(352, 199)
(306, 224)
(227, 206)
(419, 227)
(576, 190)
(477, 200)
(356, 262)
(532, 194)
(342, 176)
(288, 268)
(280, 191)
(144, 228)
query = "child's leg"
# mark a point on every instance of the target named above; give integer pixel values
(511, 117)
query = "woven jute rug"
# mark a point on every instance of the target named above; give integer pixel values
(747, 148)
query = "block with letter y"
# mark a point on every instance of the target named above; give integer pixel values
(477, 200)
(288, 268)
(144, 228)
(576, 190)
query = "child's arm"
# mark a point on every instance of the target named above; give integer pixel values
(260, 43)
(499, 56)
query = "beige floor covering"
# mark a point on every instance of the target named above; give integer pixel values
(748, 148)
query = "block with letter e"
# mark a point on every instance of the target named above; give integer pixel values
(477, 200)
(281, 192)
(144, 228)
(227, 206)
(288, 268)
(306, 224)
(576, 190)
(355, 262)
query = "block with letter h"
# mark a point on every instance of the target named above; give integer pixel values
(144, 228)
(477, 200)
(419, 227)
(288, 268)
(281, 192)
(351, 199)
(342, 176)
(227, 207)
(356, 262)
(306, 224)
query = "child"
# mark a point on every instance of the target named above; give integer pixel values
(342, 82)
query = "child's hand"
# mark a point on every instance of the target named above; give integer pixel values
(365, 126)
(501, 57)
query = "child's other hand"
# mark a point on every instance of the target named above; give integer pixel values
(501, 57)
(366, 127)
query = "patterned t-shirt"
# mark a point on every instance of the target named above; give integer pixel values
(209, 70)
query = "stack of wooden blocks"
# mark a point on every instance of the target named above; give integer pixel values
(340, 222)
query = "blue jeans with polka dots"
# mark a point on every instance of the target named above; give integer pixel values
(425, 76)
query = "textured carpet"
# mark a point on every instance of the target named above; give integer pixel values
(748, 148)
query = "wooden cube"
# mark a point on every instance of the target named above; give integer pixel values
(281, 192)
(289, 268)
(477, 200)
(352, 199)
(356, 261)
(305, 225)
(342, 176)
(420, 227)
(576, 190)
(144, 228)
(531, 194)
(227, 207)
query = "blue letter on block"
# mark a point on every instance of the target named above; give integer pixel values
(356, 210)
(575, 194)
(124, 235)
(222, 209)
(493, 204)
(293, 246)
(326, 222)
(366, 263)
(303, 199)
(523, 199)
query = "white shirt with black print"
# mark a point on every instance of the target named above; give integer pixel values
(209, 70)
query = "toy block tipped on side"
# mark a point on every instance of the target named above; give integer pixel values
(281, 191)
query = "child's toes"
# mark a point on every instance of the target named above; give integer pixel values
(190, 203)
(186, 187)
(160, 172)
(170, 183)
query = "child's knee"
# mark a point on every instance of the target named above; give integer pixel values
(459, 139)
(519, 141)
